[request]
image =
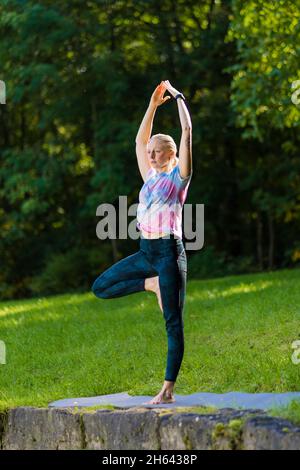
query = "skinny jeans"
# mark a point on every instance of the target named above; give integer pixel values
(164, 257)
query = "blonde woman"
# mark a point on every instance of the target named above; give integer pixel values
(160, 265)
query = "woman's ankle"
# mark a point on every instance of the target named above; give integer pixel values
(168, 385)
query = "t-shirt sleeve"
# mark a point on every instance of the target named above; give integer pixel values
(183, 182)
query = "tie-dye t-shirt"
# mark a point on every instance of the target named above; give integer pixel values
(161, 200)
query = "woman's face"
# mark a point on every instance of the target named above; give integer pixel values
(157, 154)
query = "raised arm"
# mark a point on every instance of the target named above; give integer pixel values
(185, 149)
(145, 129)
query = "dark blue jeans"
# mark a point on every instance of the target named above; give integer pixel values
(164, 257)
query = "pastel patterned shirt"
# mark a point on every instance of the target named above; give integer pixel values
(161, 200)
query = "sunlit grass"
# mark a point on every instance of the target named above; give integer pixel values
(238, 337)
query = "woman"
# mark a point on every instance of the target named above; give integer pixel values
(160, 265)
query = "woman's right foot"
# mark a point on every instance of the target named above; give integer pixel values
(163, 396)
(152, 284)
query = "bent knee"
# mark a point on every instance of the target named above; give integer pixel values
(98, 288)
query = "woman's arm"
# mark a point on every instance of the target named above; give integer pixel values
(142, 139)
(145, 129)
(185, 149)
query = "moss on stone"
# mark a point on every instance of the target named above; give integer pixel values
(83, 409)
(187, 443)
(229, 432)
(189, 409)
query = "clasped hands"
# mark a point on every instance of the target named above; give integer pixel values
(158, 98)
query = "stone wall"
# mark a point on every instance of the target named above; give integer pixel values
(25, 428)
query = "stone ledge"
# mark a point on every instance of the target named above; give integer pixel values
(24, 428)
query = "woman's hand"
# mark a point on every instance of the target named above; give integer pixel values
(170, 88)
(157, 97)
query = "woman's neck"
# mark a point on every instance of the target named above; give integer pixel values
(167, 168)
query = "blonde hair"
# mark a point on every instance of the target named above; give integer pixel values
(168, 143)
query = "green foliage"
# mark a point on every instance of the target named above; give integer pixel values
(210, 263)
(267, 36)
(78, 82)
(70, 271)
(205, 263)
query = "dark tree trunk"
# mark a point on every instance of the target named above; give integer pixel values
(115, 249)
(233, 206)
(23, 128)
(4, 125)
(271, 240)
(259, 231)
(209, 16)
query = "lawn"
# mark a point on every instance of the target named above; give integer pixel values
(238, 337)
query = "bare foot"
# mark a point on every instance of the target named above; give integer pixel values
(152, 284)
(164, 396)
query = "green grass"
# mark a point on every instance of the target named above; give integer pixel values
(290, 412)
(238, 336)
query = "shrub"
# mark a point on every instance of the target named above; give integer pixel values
(71, 271)
(209, 263)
